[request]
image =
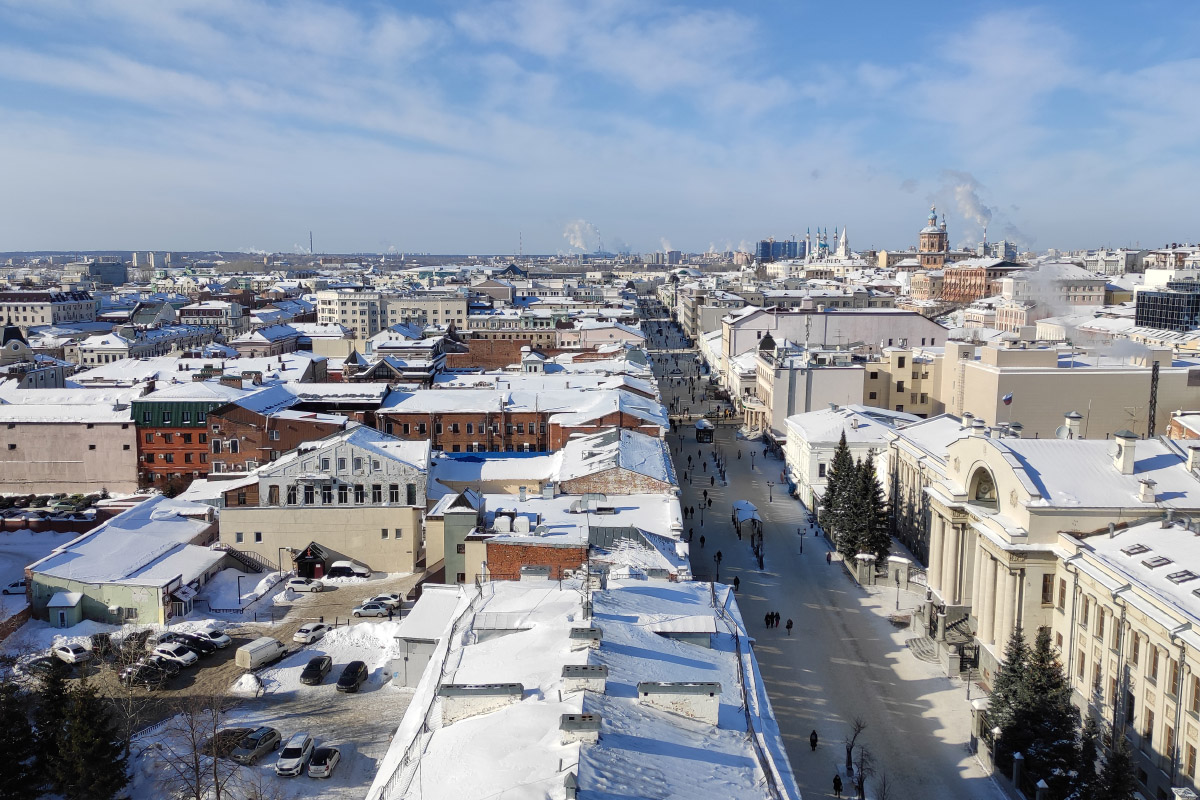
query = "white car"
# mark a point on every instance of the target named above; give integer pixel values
(310, 632)
(304, 585)
(323, 762)
(16, 587)
(391, 600)
(183, 656)
(219, 638)
(371, 610)
(295, 755)
(72, 653)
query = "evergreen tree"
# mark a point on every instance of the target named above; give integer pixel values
(19, 780)
(92, 757)
(1002, 709)
(839, 482)
(49, 718)
(1116, 780)
(868, 512)
(1086, 779)
(1052, 722)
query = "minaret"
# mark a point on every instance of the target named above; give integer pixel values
(807, 245)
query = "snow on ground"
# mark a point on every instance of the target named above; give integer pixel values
(372, 642)
(18, 549)
(222, 591)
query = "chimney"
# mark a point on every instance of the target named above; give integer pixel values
(1193, 459)
(967, 418)
(1112, 529)
(1146, 491)
(1014, 429)
(521, 496)
(1074, 420)
(978, 427)
(1169, 519)
(1123, 456)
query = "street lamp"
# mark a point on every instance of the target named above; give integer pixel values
(752, 452)
(800, 530)
(770, 495)
(240, 595)
(897, 575)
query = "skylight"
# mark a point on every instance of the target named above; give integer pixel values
(1156, 562)
(1182, 576)
(1135, 549)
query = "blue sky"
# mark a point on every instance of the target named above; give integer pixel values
(431, 127)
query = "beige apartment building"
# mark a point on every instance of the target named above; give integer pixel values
(366, 313)
(25, 308)
(1109, 393)
(356, 495)
(902, 379)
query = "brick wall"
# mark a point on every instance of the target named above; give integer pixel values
(615, 481)
(493, 353)
(505, 560)
(10, 625)
(1177, 430)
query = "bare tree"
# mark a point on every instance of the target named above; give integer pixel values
(189, 750)
(883, 787)
(857, 726)
(864, 766)
(255, 785)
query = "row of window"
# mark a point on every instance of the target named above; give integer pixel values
(169, 438)
(169, 458)
(471, 427)
(168, 417)
(308, 494)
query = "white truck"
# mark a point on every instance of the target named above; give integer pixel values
(261, 651)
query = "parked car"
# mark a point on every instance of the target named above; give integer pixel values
(255, 745)
(102, 645)
(16, 587)
(135, 642)
(323, 762)
(353, 676)
(310, 632)
(149, 676)
(347, 569)
(165, 664)
(72, 653)
(219, 638)
(62, 505)
(295, 755)
(371, 609)
(201, 644)
(40, 667)
(315, 670)
(391, 600)
(224, 741)
(262, 650)
(180, 654)
(304, 585)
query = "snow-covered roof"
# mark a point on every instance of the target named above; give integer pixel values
(862, 425)
(130, 544)
(616, 449)
(567, 407)
(429, 619)
(415, 453)
(643, 750)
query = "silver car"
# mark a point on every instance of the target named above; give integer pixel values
(257, 744)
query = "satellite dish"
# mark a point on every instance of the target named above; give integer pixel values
(1114, 450)
(1062, 432)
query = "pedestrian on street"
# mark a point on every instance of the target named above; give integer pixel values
(812, 737)
(829, 558)
(739, 455)
(702, 535)
(736, 583)
(691, 534)
(712, 481)
(789, 630)
(837, 785)
(767, 619)
(389, 613)
(710, 502)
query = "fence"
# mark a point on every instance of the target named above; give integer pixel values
(10, 625)
(399, 781)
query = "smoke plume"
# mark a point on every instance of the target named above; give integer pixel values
(582, 235)
(666, 245)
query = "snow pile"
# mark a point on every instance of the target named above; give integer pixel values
(371, 642)
(221, 591)
(248, 685)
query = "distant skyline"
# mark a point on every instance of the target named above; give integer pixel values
(466, 128)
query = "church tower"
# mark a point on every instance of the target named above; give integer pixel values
(934, 242)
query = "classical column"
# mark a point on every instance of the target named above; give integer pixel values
(987, 607)
(1007, 602)
(977, 556)
(934, 573)
(952, 568)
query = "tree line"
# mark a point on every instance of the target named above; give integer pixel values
(853, 509)
(1031, 706)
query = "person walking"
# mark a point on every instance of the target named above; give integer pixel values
(389, 613)
(702, 535)
(712, 481)
(812, 737)
(837, 785)
(767, 619)
(789, 630)
(691, 534)
(736, 583)
(828, 557)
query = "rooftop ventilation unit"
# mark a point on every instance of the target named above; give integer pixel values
(584, 677)
(695, 700)
(582, 728)
(461, 700)
(587, 637)
(502, 524)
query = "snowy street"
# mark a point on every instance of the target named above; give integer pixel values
(843, 659)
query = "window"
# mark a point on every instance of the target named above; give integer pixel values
(273, 495)
(1189, 762)
(327, 494)
(1062, 594)
(258, 536)
(1047, 589)
(421, 428)
(375, 465)
(203, 438)
(238, 537)
(168, 438)
(216, 445)
(410, 491)
(169, 458)
(145, 417)
(376, 493)
(241, 497)
(1152, 666)
(1100, 614)
(166, 418)
(899, 386)
(461, 549)
(454, 427)
(900, 362)
(1085, 612)
(324, 464)
(820, 470)
(185, 417)
(872, 395)
(91, 447)
(470, 427)
(1080, 667)
(383, 533)
(460, 577)
(273, 436)
(187, 438)
(234, 445)
(399, 532)
(341, 465)
(310, 495)
(126, 447)
(874, 375)
(404, 428)
(360, 493)
(358, 462)
(149, 438)
(1148, 732)
(1135, 650)
(343, 494)
(1172, 677)
(521, 428)
(394, 493)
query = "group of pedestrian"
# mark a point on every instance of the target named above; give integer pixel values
(772, 620)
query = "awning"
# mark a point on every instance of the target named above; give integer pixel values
(184, 594)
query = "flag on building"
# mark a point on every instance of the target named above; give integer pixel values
(1007, 399)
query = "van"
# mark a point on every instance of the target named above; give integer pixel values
(261, 651)
(347, 569)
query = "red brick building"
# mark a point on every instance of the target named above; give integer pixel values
(242, 437)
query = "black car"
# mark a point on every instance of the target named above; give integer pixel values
(353, 676)
(102, 645)
(198, 645)
(165, 664)
(316, 670)
(135, 642)
(148, 676)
